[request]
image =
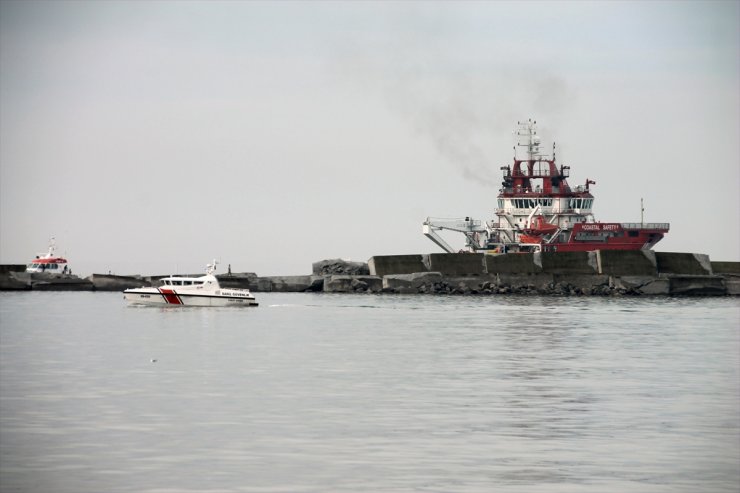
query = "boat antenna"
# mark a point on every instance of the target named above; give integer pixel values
(642, 213)
(211, 268)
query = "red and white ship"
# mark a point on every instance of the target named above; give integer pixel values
(538, 211)
(49, 262)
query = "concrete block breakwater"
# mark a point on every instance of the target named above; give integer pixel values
(601, 273)
(607, 272)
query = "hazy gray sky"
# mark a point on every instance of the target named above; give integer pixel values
(154, 136)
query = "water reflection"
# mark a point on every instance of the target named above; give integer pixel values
(546, 398)
(369, 393)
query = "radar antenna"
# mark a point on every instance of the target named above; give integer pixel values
(528, 133)
(211, 268)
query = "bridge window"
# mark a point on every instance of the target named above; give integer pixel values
(580, 203)
(531, 203)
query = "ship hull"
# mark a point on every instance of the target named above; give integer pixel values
(589, 246)
(609, 236)
(161, 297)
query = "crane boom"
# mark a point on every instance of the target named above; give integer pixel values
(475, 232)
(432, 235)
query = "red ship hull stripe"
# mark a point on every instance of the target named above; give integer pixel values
(170, 296)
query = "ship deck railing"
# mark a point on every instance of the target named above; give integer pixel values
(645, 225)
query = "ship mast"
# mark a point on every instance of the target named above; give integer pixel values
(528, 130)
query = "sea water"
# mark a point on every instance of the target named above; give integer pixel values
(369, 393)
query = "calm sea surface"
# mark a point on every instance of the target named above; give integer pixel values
(369, 393)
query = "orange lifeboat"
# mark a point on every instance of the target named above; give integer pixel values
(540, 227)
(524, 238)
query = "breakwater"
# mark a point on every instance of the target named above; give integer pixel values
(599, 273)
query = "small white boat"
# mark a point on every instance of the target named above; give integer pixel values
(190, 291)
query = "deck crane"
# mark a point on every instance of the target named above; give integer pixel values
(476, 234)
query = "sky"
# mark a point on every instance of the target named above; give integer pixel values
(152, 137)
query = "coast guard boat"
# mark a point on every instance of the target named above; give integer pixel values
(190, 291)
(538, 211)
(49, 262)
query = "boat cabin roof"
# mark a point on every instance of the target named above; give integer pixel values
(186, 281)
(54, 260)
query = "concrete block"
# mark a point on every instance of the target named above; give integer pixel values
(339, 284)
(457, 264)
(649, 285)
(317, 284)
(627, 262)
(60, 283)
(352, 284)
(629, 282)
(567, 262)
(110, 282)
(261, 284)
(655, 287)
(290, 284)
(9, 281)
(583, 282)
(466, 285)
(732, 285)
(384, 265)
(367, 283)
(374, 283)
(413, 281)
(697, 285)
(339, 266)
(406, 290)
(237, 280)
(395, 281)
(486, 283)
(517, 281)
(7, 268)
(694, 264)
(726, 268)
(21, 276)
(512, 263)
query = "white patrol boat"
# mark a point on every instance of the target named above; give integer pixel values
(190, 291)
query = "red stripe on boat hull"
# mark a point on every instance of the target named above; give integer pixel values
(170, 296)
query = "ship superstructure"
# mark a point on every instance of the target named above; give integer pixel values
(49, 262)
(538, 210)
